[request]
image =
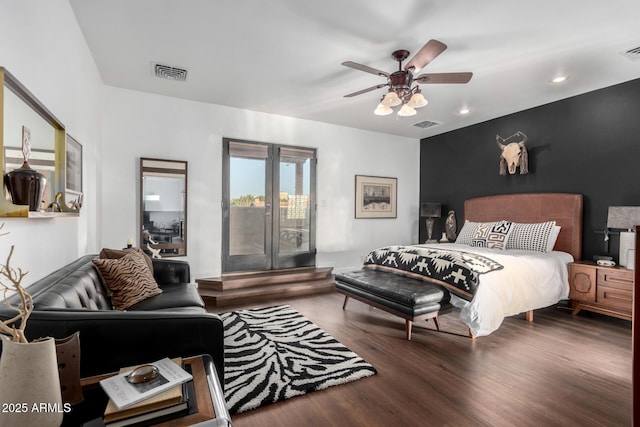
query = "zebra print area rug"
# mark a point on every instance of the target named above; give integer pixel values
(275, 353)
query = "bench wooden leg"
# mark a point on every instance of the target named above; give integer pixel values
(437, 322)
(409, 326)
(344, 304)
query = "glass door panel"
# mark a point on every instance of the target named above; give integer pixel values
(246, 213)
(247, 207)
(296, 207)
(268, 207)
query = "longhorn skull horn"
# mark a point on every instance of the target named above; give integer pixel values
(524, 139)
(500, 141)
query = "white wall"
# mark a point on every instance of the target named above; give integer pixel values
(138, 125)
(42, 46)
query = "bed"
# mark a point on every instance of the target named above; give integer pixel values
(510, 280)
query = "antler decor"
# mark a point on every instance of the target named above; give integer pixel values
(10, 280)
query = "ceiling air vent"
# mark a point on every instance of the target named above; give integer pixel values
(632, 54)
(170, 73)
(426, 124)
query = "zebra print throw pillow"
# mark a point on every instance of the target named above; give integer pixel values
(128, 278)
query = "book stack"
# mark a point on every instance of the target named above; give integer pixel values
(172, 403)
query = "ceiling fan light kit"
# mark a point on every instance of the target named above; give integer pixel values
(407, 111)
(382, 110)
(391, 99)
(417, 100)
(402, 90)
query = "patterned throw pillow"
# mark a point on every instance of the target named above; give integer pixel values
(128, 278)
(119, 253)
(493, 235)
(466, 233)
(531, 237)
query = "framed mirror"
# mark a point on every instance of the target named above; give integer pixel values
(163, 207)
(20, 110)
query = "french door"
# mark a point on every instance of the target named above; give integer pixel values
(268, 206)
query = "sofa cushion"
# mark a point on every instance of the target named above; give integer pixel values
(107, 253)
(128, 278)
(174, 297)
(168, 271)
(79, 288)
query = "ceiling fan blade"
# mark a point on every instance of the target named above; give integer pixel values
(369, 89)
(365, 68)
(426, 54)
(435, 78)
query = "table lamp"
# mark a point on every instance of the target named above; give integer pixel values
(625, 218)
(430, 211)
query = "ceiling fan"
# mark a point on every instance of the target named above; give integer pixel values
(401, 82)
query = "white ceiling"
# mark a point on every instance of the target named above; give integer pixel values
(284, 56)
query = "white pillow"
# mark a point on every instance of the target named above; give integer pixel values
(531, 237)
(553, 237)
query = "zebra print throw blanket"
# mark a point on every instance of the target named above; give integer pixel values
(275, 353)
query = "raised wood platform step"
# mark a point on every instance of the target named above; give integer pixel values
(264, 278)
(262, 286)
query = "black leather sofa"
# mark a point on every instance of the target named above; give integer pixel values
(172, 324)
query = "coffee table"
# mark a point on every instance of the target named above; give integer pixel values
(210, 410)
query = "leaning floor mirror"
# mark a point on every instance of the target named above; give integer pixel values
(163, 204)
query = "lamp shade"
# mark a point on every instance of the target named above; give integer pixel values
(417, 100)
(382, 110)
(407, 111)
(430, 210)
(391, 99)
(623, 217)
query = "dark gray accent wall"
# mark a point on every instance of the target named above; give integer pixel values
(588, 144)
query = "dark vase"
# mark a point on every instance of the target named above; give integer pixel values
(26, 186)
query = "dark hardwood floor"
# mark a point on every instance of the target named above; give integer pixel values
(560, 370)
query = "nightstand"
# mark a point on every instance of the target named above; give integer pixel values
(604, 290)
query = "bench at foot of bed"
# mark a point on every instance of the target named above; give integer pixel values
(410, 299)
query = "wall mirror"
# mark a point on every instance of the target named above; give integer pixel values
(19, 108)
(163, 204)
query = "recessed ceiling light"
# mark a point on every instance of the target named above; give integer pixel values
(464, 111)
(559, 79)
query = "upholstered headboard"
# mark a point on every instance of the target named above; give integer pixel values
(563, 208)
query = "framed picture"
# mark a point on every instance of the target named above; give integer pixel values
(376, 197)
(73, 170)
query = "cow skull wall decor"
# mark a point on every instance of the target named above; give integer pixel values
(513, 154)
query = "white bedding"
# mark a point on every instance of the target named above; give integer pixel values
(528, 281)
